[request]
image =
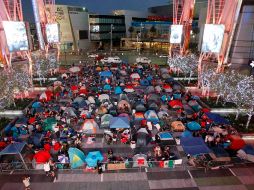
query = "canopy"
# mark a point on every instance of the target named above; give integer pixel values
(106, 74)
(216, 118)
(119, 123)
(77, 158)
(42, 157)
(93, 158)
(193, 126)
(14, 148)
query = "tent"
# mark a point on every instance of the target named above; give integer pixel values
(90, 126)
(118, 90)
(153, 98)
(107, 87)
(193, 126)
(103, 97)
(93, 158)
(14, 149)
(42, 157)
(177, 126)
(135, 76)
(166, 137)
(105, 120)
(175, 104)
(149, 89)
(83, 90)
(142, 137)
(139, 116)
(216, 118)
(80, 102)
(49, 124)
(151, 115)
(153, 106)
(140, 107)
(129, 89)
(105, 74)
(119, 123)
(77, 158)
(194, 146)
(177, 96)
(162, 114)
(140, 160)
(165, 98)
(144, 82)
(70, 112)
(36, 105)
(123, 106)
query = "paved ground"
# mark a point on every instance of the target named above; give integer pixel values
(237, 178)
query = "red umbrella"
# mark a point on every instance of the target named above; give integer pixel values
(31, 120)
(42, 156)
(175, 104)
(47, 147)
(57, 146)
(74, 88)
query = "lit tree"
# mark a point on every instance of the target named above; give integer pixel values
(206, 82)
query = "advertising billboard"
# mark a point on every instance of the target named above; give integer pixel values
(213, 38)
(16, 36)
(52, 33)
(176, 34)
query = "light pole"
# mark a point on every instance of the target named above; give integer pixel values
(111, 36)
(139, 36)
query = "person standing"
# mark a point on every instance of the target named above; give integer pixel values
(26, 182)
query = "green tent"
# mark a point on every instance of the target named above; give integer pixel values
(49, 123)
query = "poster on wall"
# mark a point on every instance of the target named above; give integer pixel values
(213, 38)
(176, 34)
(52, 33)
(16, 36)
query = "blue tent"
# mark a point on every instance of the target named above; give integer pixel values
(93, 157)
(107, 87)
(165, 98)
(36, 105)
(118, 90)
(106, 74)
(217, 118)
(186, 134)
(194, 146)
(193, 126)
(77, 157)
(151, 115)
(144, 82)
(119, 122)
(177, 96)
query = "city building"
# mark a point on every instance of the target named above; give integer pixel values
(131, 16)
(74, 27)
(100, 27)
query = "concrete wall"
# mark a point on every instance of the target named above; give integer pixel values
(79, 21)
(243, 43)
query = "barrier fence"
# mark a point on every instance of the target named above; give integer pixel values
(107, 166)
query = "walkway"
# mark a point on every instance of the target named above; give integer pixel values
(238, 178)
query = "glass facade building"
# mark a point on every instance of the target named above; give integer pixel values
(100, 27)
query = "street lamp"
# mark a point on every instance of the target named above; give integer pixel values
(111, 36)
(139, 35)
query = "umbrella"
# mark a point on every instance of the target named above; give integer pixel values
(93, 157)
(175, 104)
(63, 159)
(36, 105)
(74, 69)
(77, 157)
(49, 124)
(42, 156)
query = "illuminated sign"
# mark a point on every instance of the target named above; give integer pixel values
(176, 34)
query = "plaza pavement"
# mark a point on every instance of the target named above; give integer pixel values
(236, 178)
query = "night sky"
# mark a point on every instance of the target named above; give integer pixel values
(98, 6)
